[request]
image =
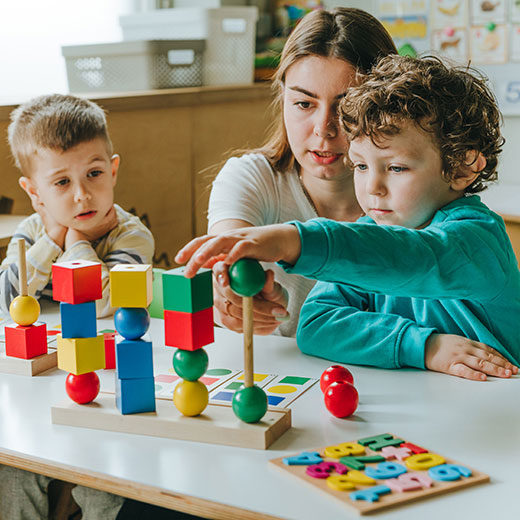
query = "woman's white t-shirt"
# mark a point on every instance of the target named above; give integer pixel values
(247, 188)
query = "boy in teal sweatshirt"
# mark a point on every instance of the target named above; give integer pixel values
(428, 278)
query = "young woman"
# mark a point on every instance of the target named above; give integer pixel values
(302, 171)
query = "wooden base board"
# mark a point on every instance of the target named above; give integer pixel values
(392, 499)
(27, 367)
(216, 425)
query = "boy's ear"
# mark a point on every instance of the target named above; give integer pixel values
(467, 173)
(28, 186)
(114, 161)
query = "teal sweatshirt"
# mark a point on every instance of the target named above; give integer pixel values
(383, 290)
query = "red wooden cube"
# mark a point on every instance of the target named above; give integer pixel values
(26, 342)
(188, 330)
(76, 281)
(110, 349)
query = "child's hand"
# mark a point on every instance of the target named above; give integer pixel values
(268, 307)
(54, 229)
(465, 358)
(108, 223)
(267, 243)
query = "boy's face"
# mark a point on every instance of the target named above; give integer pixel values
(400, 182)
(75, 186)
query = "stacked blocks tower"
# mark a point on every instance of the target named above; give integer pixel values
(81, 350)
(26, 340)
(131, 291)
(188, 326)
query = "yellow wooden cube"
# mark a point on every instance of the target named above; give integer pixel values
(81, 355)
(131, 285)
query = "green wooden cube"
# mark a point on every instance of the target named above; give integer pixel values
(187, 294)
(156, 308)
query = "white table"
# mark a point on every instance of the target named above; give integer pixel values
(472, 422)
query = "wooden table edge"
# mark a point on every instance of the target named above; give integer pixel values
(134, 490)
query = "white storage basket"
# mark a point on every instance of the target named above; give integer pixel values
(229, 33)
(138, 65)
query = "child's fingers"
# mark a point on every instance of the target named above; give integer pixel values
(488, 353)
(488, 367)
(466, 372)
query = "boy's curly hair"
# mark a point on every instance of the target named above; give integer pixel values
(54, 121)
(452, 103)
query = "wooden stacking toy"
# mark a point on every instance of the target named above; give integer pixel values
(25, 341)
(247, 278)
(188, 326)
(81, 350)
(131, 291)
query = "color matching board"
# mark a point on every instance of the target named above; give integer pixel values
(222, 383)
(379, 472)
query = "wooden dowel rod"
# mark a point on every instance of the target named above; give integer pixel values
(247, 317)
(22, 267)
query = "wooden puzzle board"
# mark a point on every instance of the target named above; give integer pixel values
(216, 425)
(385, 501)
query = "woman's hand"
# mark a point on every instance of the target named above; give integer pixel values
(268, 243)
(269, 306)
(465, 358)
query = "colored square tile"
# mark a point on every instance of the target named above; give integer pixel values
(224, 396)
(274, 400)
(294, 380)
(164, 378)
(235, 385)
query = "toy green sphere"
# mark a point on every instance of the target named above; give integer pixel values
(246, 277)
(24, 310)
(249, 403)
(190, 365)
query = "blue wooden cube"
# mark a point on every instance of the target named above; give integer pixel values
(78, 320)
(134, 358)
(135, 395)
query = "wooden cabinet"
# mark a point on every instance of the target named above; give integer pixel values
(167, 140)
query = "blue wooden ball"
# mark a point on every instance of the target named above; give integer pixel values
(132, 323)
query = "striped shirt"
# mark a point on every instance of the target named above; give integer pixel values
(131, 242)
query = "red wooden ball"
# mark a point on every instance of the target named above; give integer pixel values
(333, 374)
(341, 399)
(83, 388)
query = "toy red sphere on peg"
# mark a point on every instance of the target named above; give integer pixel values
(341, 399)
(82, 388)
(333, 374)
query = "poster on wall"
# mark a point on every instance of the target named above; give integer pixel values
(483, 11)
(488, 44)
(514, 54)
(449, 13)
(402, 7)
(514, 6)
(451, 43)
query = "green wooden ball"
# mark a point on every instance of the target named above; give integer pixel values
(249, 403)
(246, 277)
(190, 365)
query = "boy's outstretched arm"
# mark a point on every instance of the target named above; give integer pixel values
(277, 242)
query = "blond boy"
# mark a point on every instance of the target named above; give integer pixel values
(61, 146)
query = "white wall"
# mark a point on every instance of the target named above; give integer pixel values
(32, 33)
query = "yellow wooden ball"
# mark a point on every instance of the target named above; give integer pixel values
(24, 310)
(190, 397)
